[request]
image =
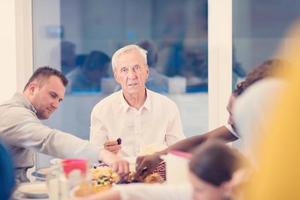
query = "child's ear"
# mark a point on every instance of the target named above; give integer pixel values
(232, 187)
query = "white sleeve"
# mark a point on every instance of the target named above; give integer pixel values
(174, 130)
(98, 132)
(141, 191)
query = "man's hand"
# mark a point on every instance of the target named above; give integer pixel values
(121, 166)
(118, 164)
(113, 146)
(146, 165)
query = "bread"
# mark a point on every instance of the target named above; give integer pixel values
(153, 178)
(86, 189)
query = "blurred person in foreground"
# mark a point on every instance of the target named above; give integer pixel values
(23, 132)
(227, 133)
(7, 178)
(87, 78)
(138, 116)
(252, 110)
(213, 170)
(278, 151)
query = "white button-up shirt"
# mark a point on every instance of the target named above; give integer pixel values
(156, 123)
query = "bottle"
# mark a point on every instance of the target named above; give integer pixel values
(57, 184)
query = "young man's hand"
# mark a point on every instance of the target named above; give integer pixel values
(118, 164)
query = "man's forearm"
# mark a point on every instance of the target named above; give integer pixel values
(186, 145)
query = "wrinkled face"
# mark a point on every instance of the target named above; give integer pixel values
(205, 191)
(46, 96)
(131, 72)
(229, 109)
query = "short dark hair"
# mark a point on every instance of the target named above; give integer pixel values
(44, 73)
(214, 162)
(268, 68)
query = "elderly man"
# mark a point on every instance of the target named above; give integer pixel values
(23, 132)
(140, 117)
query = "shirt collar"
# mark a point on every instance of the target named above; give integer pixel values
(24, 101)
(147, 104)
(124, 104)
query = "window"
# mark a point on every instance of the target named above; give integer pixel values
(67, 33)
(258, 29)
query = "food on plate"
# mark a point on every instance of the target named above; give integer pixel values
(103, 175)
(153, 178)
(102, 178)
(86, 189)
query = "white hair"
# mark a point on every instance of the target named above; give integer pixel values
(126, 49)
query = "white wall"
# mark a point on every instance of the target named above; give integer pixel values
(16, 46)
(258, 28)
(23, 34)
(8, 78)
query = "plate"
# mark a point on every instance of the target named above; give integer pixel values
(33, 190)
(87, 191)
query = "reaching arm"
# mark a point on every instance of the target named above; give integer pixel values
(190, 143)
(146, 164)
(119, 165)
(24, 131)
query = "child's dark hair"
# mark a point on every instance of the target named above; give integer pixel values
(214, 162)
(266, 69)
